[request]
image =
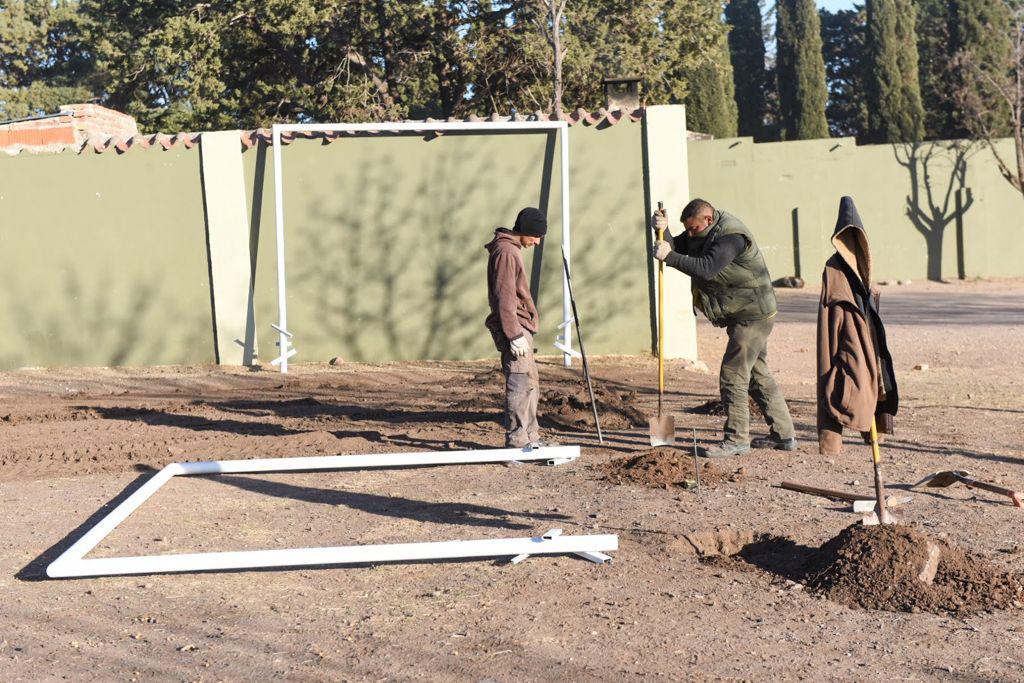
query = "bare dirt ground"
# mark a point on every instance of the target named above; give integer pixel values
(71, 441)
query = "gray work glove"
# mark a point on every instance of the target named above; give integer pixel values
(661, 249)
(659, 222)
(519, 347)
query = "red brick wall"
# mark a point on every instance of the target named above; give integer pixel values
(76, 124)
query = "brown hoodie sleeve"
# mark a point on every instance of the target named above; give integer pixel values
(506, 275)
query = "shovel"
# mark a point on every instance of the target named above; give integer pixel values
(663, 427)
(950, 477)
(880, 515)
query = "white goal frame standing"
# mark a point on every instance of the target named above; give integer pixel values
(72, 562)
(563, 342)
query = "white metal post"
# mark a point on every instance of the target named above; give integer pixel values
(284, 336)
(566, 297)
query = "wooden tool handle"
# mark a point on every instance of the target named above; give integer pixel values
(825, 493)
(994, 488)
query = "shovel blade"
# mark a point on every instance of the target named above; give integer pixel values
(872, 519)
(941, 479)
(663, 430)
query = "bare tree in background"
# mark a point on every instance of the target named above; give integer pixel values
(997, 98)
(549, 18)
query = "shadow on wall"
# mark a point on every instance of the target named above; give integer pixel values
(101, 322)
(399, 271)
(390, 272)
(939, 195)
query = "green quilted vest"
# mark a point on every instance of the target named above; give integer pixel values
(742, 291)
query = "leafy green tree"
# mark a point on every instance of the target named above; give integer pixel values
(800, 70)
(893, 92)
(842, 35)
(935, 68)
(747, 54)
(42, 63)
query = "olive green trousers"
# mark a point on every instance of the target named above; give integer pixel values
(745, 374)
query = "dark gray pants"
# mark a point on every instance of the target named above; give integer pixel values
(522, 391)
(745, 373)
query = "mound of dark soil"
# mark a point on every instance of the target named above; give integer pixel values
(615, 409)
(663, 468)
(879, 567)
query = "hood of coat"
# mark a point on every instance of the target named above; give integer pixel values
(851, 241)
(503, 237)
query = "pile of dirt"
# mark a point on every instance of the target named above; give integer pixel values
(663, 468)
(888, 567)
(715, 407)
(615, 409)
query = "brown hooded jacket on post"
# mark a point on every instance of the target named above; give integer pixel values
(856, 382)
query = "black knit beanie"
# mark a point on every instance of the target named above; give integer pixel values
(531, 222)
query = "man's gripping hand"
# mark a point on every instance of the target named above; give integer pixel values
(659, 222)
(661, 249)
(519, 347)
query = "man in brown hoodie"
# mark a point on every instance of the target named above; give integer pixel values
(513, 321)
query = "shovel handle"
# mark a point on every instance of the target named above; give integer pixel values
(876, 457)
(661, 319)
(994, 488)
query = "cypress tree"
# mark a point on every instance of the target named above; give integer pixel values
(934, 55)
(801, 70)
(842, 34)
(978, 31)
(895, 113)
(747, 55)
(711, 101)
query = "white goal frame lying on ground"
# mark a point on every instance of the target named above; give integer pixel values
(564, 341)
(72, 562)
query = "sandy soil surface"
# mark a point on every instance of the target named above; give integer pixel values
(71, 441)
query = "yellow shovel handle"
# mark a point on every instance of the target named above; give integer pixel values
(875, 451)
(661, 320)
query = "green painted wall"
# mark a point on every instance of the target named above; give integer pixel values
(907, 196)
(103, 260)
(385, 236)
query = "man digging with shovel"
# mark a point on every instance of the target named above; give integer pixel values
(732, 288)
(512, 323)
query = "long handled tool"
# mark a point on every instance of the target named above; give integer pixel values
(881, 515)
(950, 477)
(860, 502)
(663, 427)
(583, 354)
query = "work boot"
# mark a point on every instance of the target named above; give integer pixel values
(541, 444)
(775, 442)
(725, 449)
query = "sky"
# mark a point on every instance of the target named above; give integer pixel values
(833, 5)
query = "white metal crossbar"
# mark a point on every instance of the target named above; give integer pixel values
(72, 562)
(563, 342)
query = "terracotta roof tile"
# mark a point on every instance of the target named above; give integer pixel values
(250, 138)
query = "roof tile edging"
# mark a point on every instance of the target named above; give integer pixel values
(250, 138)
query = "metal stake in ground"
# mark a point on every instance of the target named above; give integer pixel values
(583, 354)
(696, 465)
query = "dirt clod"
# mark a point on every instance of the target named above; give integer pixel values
(881, 568)
(615, 408)
(662, 468)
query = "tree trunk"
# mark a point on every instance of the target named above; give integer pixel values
(557, 7)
